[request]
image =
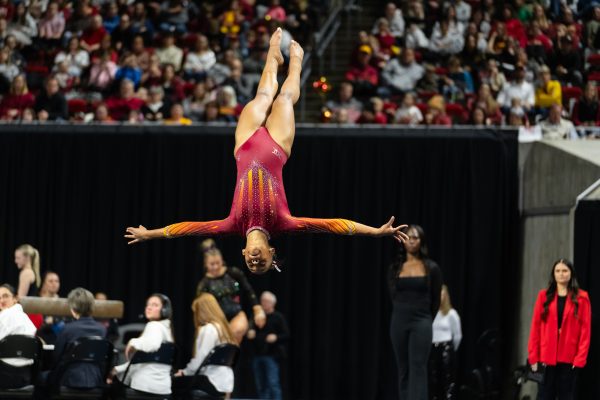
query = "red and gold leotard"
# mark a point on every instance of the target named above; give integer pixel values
(259, 200)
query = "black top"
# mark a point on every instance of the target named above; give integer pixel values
(422, 292)
(55, 105)
(226, 290)
(275, 324)
(33, 289)
(587, 111)
(560, 304)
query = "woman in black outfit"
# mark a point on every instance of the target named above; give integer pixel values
(227, 284)
(415, 286)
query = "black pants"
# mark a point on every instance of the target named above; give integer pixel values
(410, 332)
(559, 383)
(182, 386)
(14, 377)
(442, 371)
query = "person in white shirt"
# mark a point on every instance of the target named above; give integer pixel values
(447, 335)
(518, 88)
(394, 16)
(199, 60)
(557, 127)
(13, 321)
(408, 113)
(212, 329)
(149, 377)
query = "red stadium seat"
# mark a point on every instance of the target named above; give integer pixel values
(441, 70)
(37, 69)
(594, 59)
(570, 92)
(425, 95)
(457, 112)
(422, 107)
(594, 76)
(77, 106)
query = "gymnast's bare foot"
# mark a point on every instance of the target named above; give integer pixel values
(296, 50)
(275, 46)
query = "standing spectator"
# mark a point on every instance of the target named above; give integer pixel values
(402, 75)
(415, 283)
(560, 332)
(93, 35)
(518, 88)
(13, 321)
(556, 127)
(169, 53)
(52, 26)
(548, 91)
(212, 329)
(51, 104)
(27, 260)
(395, 20)
(150, 377)
(199, 60)
(18, 99)
(346, 101)
(268, 349)
(447, 334)
(363, 76)
(586, 111)
(76, 57)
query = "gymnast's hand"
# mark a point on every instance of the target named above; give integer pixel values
(138, 234)
(388, 230)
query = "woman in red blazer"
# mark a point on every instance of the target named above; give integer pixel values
(560, 332)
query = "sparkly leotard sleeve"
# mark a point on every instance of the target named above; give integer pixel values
(259, 200)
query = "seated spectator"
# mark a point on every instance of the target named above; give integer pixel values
(122, 36)
(52, 326)
(194, 105)
(302, 18)
(478, 117)
(172, 84)
(168, 53)
(556, 127)
(81, 374)
(177, 116)
(8, 69)
(174, 17)
(141, 53)
(498, 40)
(485, 101)
(110, 324)
(395, 24)
(129, 70)
(436, 112)
(111, 17)
(199, 60)
(140, 22)
(373, 112)
(119, 107)
(514, 27)
(363, 76)
(492, 76)
(458, 82)
(106, 47)
(275, 11)
(13, 321)
(221, 70)
(566, 63)
(211, 329)
(347, 102)
(50, 285)
(93, 35)
(446, 41)
(415, 38)
(76, 57)
(18, 99)
(101, 115)
(156, 108)
(385, 48)
(242, 84)
(586, 111)
(472, 54)
(51, 104)
(211, 113)
(231, 20)
(150, 377)
(408, 113)
(539, 46)
(23, 26)
(52, 25)
(227, 101)
(592, 27)
(548, 91)
(517, 88)
(463, 11)
(539, 16)
(402, 75)
(102, 73)
(430, 82)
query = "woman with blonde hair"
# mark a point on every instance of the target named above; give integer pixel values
(27, 259)
(447, 335)
(212, 329)
(228, 285)
(18, 99)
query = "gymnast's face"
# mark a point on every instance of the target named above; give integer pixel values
(213, 264)
(7, 300)
(258, 257)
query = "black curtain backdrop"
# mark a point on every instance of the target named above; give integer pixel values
(587, 262)
(71, 191)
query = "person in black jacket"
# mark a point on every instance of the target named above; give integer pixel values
(77, 375)
(415, 286)
(51, 104)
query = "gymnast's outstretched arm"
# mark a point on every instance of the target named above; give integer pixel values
(203, 228)
(340, 226)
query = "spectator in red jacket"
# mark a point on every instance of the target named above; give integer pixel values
(16, 100)
(92, 36)
(362, 75)
(560, 332)
(119, 107)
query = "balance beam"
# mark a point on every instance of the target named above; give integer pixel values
(58, 307)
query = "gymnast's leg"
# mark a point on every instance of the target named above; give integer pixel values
(239, 326)
(280, 123)
(255, 112)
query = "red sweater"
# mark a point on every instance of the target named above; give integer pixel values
(570, 345)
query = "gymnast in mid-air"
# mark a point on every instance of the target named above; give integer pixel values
(263, 144)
